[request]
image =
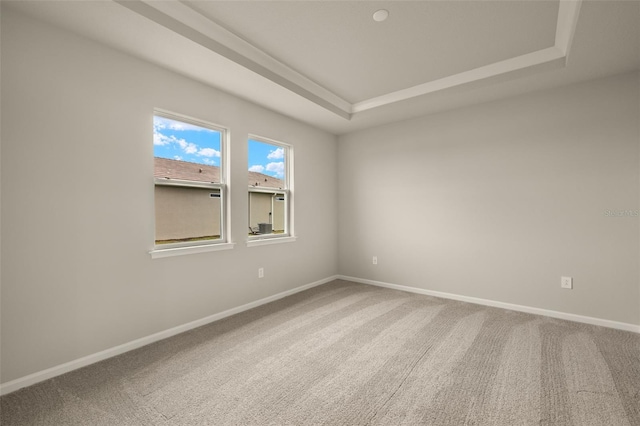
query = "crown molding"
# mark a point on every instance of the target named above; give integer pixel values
(183, 20)
(507, 66)
(190, 24)
(568, 12)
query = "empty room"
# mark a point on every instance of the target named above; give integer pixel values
(320, 212)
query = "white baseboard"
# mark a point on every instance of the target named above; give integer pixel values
(58, 370)
(513, 307)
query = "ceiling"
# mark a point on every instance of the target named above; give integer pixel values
(328, 63)
(337, 44)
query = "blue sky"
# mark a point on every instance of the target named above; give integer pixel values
(266, 158)
(186, 142)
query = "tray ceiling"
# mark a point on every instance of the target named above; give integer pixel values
(339, 46)
(330, 64)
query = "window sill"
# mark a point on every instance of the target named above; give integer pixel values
(268, 241)
(179, 251)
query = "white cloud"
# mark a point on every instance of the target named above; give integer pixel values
(177, 157)
(187, 147)
(209, 152)
(257, 168)
(158, 123)
(160, 139)
(277, 168)
(276, 154)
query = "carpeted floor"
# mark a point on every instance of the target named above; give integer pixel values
(352, 354)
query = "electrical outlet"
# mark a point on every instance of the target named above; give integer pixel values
(375, 260)
(566, 282)
(260, 272)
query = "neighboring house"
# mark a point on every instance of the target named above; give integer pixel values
(266, 207)
(184, 212)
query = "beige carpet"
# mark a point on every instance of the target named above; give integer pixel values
(351, 354)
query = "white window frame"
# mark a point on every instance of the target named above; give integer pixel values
(190, 247)
(289, 234)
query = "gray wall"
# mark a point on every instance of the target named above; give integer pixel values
(494, 201)
(500, 200)
(77, 202)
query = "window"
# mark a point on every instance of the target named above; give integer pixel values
(189, 177)
(270, 184)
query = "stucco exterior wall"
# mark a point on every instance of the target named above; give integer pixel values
(183, 212)
(260, 205)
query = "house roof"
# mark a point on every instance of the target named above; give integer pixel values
(165, 168)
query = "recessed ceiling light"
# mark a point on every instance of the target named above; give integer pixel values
(380, 15)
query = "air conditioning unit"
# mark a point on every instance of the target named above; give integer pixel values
(264, 228)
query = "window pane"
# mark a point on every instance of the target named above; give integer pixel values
(187, 214)
(267, 165)
(267, 213)
(185, 151)
(268, 188)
